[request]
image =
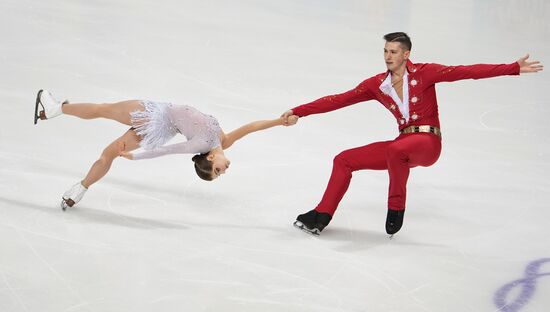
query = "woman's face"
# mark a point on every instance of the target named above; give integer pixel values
(219, 165)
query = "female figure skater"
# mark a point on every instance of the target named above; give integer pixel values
(152, 125)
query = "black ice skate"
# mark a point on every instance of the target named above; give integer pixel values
(49, 106)
(312, 222)
(394, 221)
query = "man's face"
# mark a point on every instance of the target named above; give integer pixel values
(395, 56)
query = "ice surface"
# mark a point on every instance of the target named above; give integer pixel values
(141, 240)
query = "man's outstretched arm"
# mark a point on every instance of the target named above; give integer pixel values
(442, 73)
(329, 103)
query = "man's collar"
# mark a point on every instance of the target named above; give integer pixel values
(386, 86)
(411, 68)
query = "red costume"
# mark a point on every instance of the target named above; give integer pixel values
(408, 150)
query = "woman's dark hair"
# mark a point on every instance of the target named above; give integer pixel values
(400, 37)
(203, 166)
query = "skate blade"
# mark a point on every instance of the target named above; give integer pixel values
(301, 226)
(36, 114)
(66, 203)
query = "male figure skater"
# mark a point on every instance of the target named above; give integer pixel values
(407, 90)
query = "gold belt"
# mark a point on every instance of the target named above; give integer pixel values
(415, 129)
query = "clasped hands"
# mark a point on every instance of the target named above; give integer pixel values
(289, 119)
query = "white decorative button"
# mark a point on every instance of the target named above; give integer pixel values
(402, 121)
(413, 82)
(414, 117)
(414, 99)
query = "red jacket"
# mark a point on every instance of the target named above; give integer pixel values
(422, 99)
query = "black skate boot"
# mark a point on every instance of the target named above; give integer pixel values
(394, 221)
(312, 222)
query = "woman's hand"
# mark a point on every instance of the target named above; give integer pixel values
(122, 151)
(126, 155)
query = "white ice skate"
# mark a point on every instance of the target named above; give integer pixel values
(50, 106)
(73, 195)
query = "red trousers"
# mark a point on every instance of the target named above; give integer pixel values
(397, 156)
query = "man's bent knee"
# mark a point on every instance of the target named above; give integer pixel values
(341, 160)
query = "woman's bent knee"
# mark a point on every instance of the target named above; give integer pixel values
(109, 154)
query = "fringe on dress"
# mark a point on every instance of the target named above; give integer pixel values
(153, 124)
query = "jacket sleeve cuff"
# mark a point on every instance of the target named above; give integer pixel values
(298, 111)
(515, 66)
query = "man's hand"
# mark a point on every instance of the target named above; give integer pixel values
(529, 67)
(291, 120)
(285, 116)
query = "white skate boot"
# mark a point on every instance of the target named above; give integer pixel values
(50, 106)
(73, 195)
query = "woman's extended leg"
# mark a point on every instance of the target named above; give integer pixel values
(127, 142)
(119, 111)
